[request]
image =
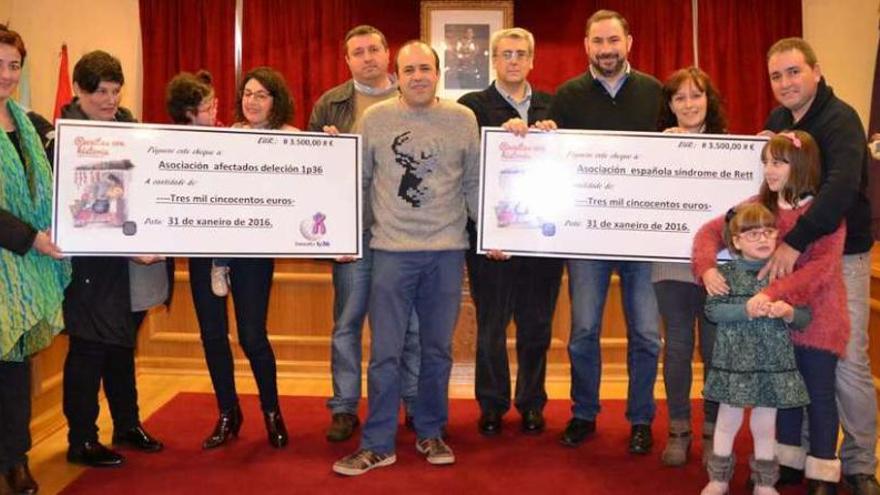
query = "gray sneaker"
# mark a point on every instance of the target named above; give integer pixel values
(362, 461)
(436, 451)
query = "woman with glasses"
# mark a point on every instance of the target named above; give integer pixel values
(262, 102)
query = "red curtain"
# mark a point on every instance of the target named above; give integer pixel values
(661, 30)
(734, 36)
(187, 36)
(303, 40)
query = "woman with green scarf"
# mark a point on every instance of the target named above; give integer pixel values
(32, 276)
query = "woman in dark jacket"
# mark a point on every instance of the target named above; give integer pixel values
(105, 304)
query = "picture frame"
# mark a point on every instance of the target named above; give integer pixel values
(460, 32)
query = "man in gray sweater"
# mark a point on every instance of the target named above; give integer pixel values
(420, 167)
(339, 110)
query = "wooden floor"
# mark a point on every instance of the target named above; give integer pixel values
(47, 457)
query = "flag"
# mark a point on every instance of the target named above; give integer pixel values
(64, 93)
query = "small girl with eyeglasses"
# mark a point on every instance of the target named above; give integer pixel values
(791, 178)
(753, 362)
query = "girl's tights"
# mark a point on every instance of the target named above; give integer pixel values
(762, 424)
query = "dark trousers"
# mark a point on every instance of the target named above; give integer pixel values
(818, 369)
(526, 290)
(88, 364)
(681, 307)
(15, 413)
(251, 279)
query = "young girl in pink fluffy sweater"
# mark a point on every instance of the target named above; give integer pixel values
(791, 177)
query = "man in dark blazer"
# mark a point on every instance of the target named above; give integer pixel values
(524, 288)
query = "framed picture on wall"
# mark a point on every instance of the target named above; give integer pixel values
(459, 31)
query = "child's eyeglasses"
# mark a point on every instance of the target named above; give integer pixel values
(755, 235)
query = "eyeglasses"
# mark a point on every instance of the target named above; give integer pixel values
(514, 55)
(756, 235)
(260, 96)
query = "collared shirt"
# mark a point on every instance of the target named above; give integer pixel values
(521, 107)
(612, 90)
(371, 91)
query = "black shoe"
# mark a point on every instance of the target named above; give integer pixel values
(94, 454)
(532, 422)
(640, 440)
(227, 427)
(862, 484)
(21, 481)
(489, 424)
(577, 431)
(342, 427)
(790, 476)
(816, 487)
(137, 438)
(275, 429)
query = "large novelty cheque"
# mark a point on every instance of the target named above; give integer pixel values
(136, 189)
(609, 195)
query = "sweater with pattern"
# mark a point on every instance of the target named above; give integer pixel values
(420, 171)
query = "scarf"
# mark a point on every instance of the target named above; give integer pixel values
(31, 286)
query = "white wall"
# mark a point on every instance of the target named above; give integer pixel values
(844, 34)
(85, 25)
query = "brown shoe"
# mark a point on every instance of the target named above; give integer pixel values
(5, 489)
(21, 481)
(678, 444)
(342, 427)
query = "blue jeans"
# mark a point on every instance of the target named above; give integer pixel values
(818, 369)
(430, 283)
(351, 294)
(588, 286)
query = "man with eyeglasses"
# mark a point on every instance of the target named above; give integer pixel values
(338, 110)
(522, 288)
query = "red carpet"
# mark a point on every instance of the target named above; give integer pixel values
(510, 463)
